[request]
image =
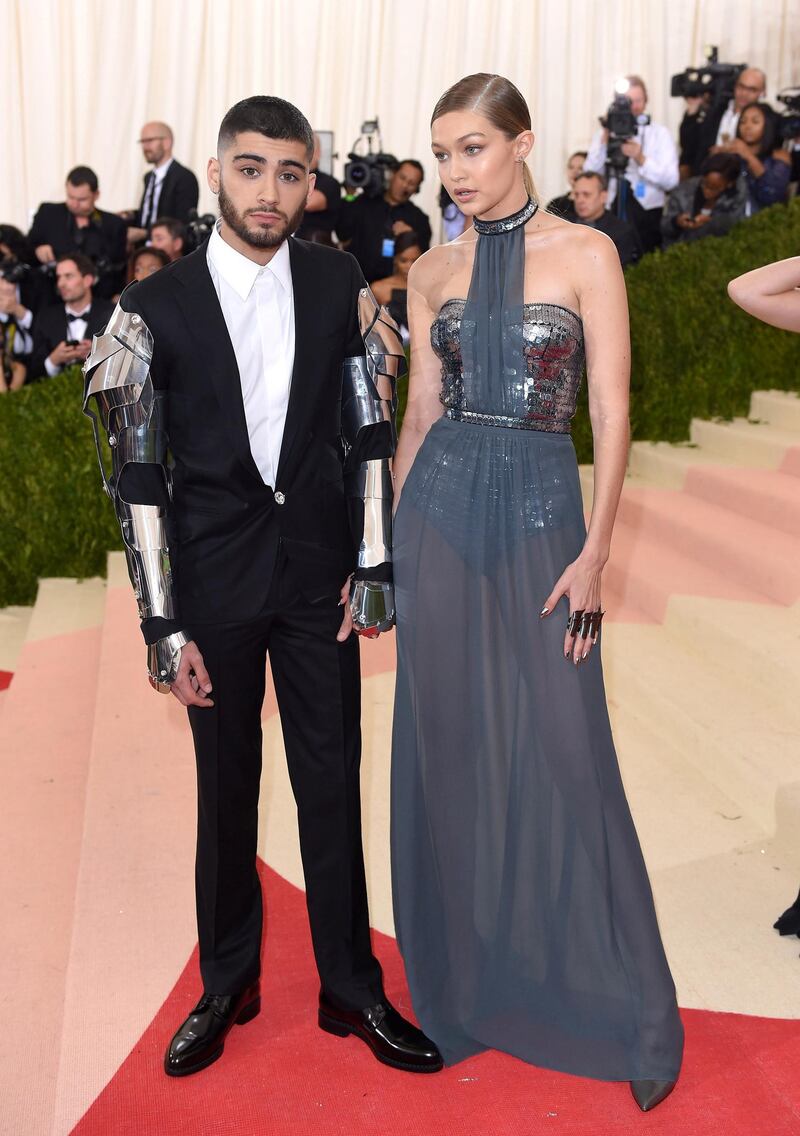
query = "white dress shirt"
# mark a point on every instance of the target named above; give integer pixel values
(728, 124)
(258, 307)
(658, 173)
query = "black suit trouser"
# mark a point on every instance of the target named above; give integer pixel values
(317, 684)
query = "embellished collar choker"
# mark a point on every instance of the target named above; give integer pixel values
(506, 224)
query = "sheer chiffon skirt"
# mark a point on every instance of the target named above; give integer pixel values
(522, 904)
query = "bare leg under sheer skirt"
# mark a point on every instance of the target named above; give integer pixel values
(522, 904)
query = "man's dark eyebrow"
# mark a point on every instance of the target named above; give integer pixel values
(259, 160)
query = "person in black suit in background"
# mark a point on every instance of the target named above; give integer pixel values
(246, 361)
(77, 225)
(62, 334)
(170, 189)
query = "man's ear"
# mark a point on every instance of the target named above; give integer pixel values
(312, 183)
(212, 174)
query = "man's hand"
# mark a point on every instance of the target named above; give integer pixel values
(401, 227)
(64, 354)
(135, 235)
(45, 254)
(633, 149)
(347, 622)
(684, 221)
(192, 684)
(9, 304)
(693, 104)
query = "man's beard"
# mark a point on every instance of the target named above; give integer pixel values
(258, 238)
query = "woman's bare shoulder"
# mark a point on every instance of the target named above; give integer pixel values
(431, 272)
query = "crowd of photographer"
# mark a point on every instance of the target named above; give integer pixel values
(735, 155)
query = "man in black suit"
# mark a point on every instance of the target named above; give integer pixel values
(77, 225)
(369, 226)
(589, 201)
(170, 189)
(246, 360)
(62, 333)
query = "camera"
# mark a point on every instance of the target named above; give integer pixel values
(715, 79)
(13, 270)
(198, 227)
(789, 119)
(369, 172)
(622, 125)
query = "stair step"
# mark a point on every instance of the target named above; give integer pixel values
(744, 746)
(745, 550)
(743, 442)
(666, 465)
(764, 495)
(777, 408)
(743, 638)
(44, 746)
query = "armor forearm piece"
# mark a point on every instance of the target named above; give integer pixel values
(119, 397)
(369, 403)
(163, 660)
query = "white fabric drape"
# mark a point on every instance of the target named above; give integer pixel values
(80, 77)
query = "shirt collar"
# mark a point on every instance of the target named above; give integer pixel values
(73, 315)
(240, 272)
(161, 171)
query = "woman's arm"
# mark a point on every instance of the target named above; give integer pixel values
(771, 293)
(604, 311)
(773, 184)
(425, 378)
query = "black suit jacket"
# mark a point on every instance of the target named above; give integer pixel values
(50, 327)
(226, 526)
(105, 238)
(179, 194)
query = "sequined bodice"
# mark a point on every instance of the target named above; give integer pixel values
(545, 393)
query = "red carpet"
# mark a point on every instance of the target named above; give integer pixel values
(281, 1075)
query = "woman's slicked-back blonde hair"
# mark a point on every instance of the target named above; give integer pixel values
(498, 100)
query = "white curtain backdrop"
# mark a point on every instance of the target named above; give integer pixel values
(80, 77)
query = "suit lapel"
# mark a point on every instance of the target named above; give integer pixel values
(305, 289)
(200, 304)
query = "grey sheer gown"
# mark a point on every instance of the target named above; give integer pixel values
(522, 904)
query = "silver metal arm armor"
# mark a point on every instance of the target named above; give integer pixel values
(369, 398)
(119, 395)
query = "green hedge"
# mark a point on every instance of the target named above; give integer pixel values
(55, 520)
(695, 354)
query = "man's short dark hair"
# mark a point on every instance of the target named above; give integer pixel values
(267, 115)
(592, 175)
(417, 166)
(174, 227)
(83, 263)
(578, 154)
(83, 175)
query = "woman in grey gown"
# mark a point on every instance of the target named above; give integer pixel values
(522, 905)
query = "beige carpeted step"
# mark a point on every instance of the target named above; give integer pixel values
(13, 629)
(742, 442)
(777, 408)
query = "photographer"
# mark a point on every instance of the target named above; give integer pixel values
(708, 205)
(706, 124)
(589, 197)
(22, 290)
(169, 235)
(77, 225)
(322, 208)
(62, 334)
(652, 164)
(369, 226)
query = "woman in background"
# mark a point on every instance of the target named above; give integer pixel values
(765, 164)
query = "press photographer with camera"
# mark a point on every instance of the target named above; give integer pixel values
(23, 292)
(77, 225)
(638, 158)
(715, 97)
(708, 205)
(369, 225)
(62, 333)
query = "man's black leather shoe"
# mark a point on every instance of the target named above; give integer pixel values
(201, 1038)
(392, 1039)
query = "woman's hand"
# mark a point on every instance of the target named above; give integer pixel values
(580, 583)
